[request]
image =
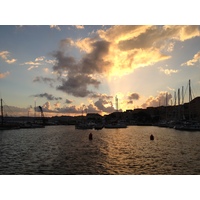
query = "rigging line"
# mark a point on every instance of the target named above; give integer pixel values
(9, 108)
(192, 91)
(186, 90)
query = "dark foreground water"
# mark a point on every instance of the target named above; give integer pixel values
(66, 150)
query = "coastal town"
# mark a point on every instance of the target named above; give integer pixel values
(164, 116)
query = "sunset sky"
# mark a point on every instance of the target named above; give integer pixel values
(67, 69)
(82, 62)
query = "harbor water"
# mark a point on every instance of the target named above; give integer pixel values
(64, 150)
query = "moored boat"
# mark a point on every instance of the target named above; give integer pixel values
(187, 126)
(116, 125)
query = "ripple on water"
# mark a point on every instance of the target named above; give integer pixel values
(65, 150)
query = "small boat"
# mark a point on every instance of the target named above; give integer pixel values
(98, 126)
(84, 125)
(9, 126)
(187, 126)
(116, 125)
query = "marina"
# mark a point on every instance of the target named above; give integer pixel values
(99, 100)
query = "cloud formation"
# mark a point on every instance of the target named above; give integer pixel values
(55, 27)
(68, 101)
(116, 51)
(102, 96)
(104, 106)
(68, 110)
(5, 55)
(161, 99)
(80, 74)
(77, 85)
(79, 26)
(193, 61)
(132, 96)
(49, 97)
(47, 80)
(3, 75)
(168, 71)
(38, 62)
(33, 64)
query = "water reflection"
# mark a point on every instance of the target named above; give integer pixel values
(65, 150)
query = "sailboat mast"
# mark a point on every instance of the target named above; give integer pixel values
(1, 111)
(190, 99)
(190, 93)
(178, 96)
(175, 98)
(182, 94)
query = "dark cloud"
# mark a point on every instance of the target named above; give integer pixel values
(100, 104)
(130, 102)
(66, 42)
(40, 79)
(65, 64)
(79, 75)
(68, 101)
(94, 61)
(78, 85)
(49, 97)
(103, 96)
(133, 96)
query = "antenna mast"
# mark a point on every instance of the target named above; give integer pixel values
(116, 101)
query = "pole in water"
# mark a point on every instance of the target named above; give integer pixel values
(151, 137)
(90, 136)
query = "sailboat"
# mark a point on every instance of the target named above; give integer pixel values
(189, 125)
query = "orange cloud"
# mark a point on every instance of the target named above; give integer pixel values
(55, 27)
(162, 98)
(119, 33)
(191, 62)
(3, 75)
(117, 51)
(85, 44)
(4, 55)
(127, 50)
(168, 71)
(79, 26)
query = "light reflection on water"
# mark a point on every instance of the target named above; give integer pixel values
(65, 150)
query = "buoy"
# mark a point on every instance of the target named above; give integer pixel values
(151, 137)
(90, 136)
